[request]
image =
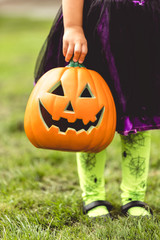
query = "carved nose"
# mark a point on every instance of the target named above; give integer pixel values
(69, 107)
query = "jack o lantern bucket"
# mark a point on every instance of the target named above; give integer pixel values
(71, 109)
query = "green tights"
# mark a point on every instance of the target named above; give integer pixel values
(135, 162)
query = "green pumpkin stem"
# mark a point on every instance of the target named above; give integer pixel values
(75, 64)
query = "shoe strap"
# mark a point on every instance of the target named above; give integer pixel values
(129, 205)
(95, 204)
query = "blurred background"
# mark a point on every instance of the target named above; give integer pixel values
(30, 8)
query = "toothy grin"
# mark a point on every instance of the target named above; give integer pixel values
(63, 123)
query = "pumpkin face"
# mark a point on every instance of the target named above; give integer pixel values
(66, 117)
(71, 109)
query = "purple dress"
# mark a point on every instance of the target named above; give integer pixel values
(124, 47)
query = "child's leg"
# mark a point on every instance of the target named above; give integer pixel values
(135, 164)
(91, 175)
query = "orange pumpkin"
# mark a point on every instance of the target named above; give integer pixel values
(72, 109)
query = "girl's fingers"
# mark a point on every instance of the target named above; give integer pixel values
(77, 52)
(65, 47)
(83, 53)
(69, 53)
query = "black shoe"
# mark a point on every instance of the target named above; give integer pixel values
(92, 205)
(129, 205)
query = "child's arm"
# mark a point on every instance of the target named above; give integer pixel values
(74, 41)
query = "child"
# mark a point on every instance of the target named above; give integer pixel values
(120, 40)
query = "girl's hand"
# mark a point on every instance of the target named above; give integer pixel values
(74, 44)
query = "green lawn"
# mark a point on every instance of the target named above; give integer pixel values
(40, 196)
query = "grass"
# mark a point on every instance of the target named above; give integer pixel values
(40, 196)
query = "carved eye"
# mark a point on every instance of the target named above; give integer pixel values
(57, 89)
(87, 93)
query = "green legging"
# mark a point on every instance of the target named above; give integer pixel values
(135, 162)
